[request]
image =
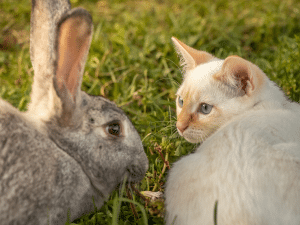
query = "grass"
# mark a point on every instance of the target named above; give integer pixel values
(133, 63)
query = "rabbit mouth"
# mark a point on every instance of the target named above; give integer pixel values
(134, 174)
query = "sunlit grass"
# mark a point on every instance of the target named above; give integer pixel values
(132, 62)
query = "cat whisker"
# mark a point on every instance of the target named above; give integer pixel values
(178, 67)
(169, 78)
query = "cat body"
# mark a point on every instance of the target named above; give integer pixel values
(247, 170)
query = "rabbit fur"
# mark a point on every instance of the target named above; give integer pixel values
(69, 149)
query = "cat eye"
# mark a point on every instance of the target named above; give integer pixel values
(205, 108)
(180, 101)
(114, 129)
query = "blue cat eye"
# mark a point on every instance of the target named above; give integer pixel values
(180, 101)
(205, 108)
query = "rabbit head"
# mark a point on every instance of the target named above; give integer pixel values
(91, 129)
(89, 133)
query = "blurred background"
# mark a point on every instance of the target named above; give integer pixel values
(132, 62)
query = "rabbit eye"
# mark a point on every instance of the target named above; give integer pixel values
(114, 129)
(92, 120)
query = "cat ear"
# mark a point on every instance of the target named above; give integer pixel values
(241, 74)
(190, 57)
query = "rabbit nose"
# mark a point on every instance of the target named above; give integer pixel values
(182, 126)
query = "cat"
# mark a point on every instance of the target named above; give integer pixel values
(247, 168)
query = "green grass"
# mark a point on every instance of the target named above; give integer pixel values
(133, 63)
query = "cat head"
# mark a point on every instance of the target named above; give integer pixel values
(213, 91)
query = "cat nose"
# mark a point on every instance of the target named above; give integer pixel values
(181, 126)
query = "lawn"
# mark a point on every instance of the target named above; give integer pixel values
(132, 62)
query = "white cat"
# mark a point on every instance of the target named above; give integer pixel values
(247, 170)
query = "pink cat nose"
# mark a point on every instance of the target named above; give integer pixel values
(181, 126)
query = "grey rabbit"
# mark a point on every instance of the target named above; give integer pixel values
(69, 150)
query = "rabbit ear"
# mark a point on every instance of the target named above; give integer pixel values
(74, 34)
(45, 15)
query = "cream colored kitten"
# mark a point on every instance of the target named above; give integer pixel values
(249, 161)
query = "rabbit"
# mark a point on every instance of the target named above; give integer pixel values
(70, 150)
